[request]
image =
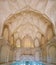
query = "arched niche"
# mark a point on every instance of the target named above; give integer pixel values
(5, 32)
(27, 42)
(49, 33)
(18, 43)
(38, 35)
(52, 54)
(36, 42)
(43, 40)
(11, 40)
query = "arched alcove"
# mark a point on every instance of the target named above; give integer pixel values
(18, 43)
(5, 33)
(52, 53)
(49, 32)
(36, 42)
(27, 42)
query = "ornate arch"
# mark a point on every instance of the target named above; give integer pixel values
(29, 16)
(27, 42)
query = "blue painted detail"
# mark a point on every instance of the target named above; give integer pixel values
(27, 63)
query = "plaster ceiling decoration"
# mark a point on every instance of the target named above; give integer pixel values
(27, 17)
(9, 7)
(19, 4)
(28, 22)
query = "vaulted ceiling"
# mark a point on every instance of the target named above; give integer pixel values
(9, 7)
(28, 18)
